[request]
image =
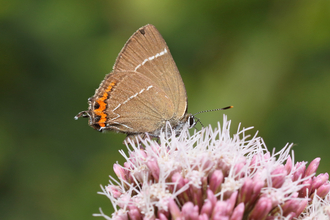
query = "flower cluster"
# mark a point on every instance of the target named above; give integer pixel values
(211, 175)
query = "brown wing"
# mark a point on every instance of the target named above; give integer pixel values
(136, 104)
(146, 53)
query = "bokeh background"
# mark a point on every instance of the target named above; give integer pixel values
(270, 59)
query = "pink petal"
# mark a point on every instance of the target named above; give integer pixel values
(216, 180)
(302, 205)
(207, 208)
(174, 210)
(135, 214)
(305, 191)
(319, 181)
(261, 209)
(299, 170)
(288, 164)
(323, 190)
(278, 176)
(153, 167)
(238, 212)
(231, 202)
(119, 171)
(311, 169)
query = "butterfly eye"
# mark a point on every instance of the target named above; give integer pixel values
(192, 121)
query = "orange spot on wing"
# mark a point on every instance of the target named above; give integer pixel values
(102, 105)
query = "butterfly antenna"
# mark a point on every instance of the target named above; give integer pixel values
(212, 110)
(197, 120)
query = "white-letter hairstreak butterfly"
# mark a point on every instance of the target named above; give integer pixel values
(143, 92)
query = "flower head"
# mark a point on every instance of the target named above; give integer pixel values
(211, 175)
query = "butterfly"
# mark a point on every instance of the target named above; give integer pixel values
(143, 92)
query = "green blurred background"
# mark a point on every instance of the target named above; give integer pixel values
(270, 59)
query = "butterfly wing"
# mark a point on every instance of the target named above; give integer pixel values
(137, 105)
(143, 91)
(146, 53)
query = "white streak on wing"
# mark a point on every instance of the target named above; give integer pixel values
(114, 127)
(118, 116)
(133, 96)
(130, 98)
(137, 67)
(116, 107)
(151, 58)
(123, 125)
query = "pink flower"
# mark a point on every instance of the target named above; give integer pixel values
(212, 175)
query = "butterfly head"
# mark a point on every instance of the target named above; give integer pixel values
(94, 119)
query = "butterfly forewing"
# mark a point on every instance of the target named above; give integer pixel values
(146, 53)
